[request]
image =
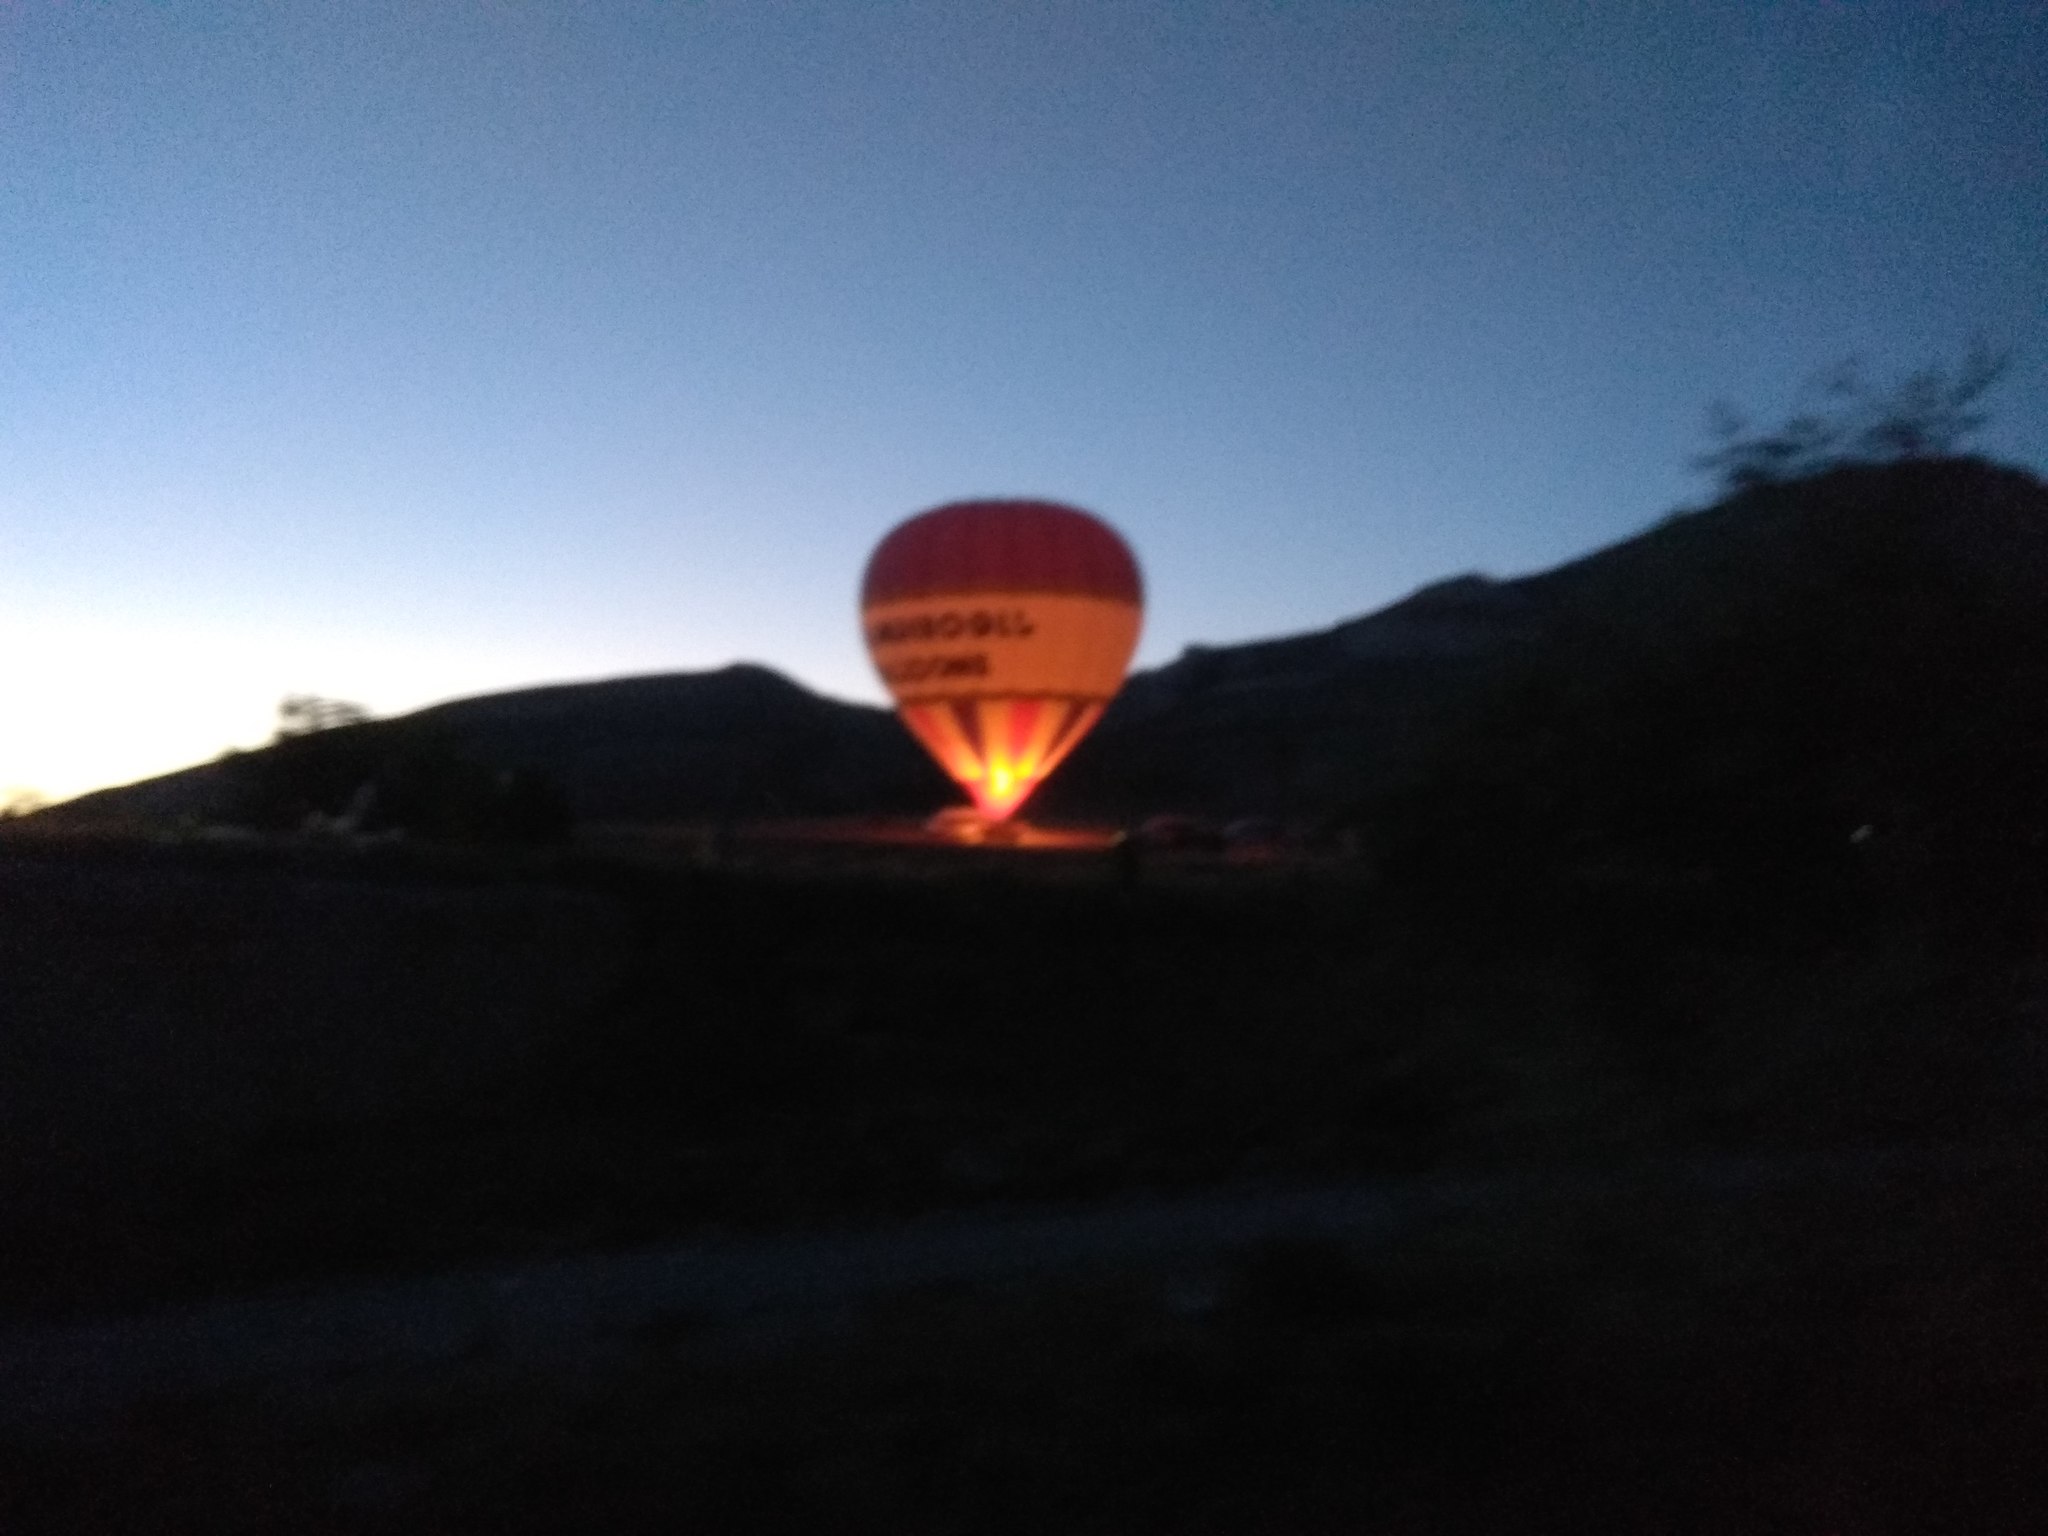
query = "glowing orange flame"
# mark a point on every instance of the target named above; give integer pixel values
(1000, 750)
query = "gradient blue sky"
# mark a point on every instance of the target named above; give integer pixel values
(396, 351)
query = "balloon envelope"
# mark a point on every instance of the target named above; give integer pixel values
(1002, 629)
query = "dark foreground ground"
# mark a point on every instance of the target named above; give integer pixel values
(235, 1071)
(1870, 1361)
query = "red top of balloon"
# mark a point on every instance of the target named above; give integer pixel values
(1002, 546)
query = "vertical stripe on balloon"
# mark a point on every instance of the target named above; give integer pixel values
(937, 727)
(1046, 721)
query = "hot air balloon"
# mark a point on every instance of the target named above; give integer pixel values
(1002, 629)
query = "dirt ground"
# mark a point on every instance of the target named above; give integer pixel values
(293, 1068)
(1860, 1362)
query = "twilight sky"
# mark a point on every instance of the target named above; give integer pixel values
(398, 351)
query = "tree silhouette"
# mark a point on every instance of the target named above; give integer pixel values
(20, 802)
(1841, 420)
(303, 714)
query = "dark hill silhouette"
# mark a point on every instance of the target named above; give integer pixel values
(1844, 673)
(738, 742)
(1836, 647)
(1298, 726)
(1867, 601)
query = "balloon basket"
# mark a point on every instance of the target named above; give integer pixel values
(965, 824)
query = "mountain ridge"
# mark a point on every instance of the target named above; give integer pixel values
(1304, 726)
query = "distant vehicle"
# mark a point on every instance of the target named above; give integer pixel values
(1002, 629)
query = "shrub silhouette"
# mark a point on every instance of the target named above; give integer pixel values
(393, 776)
